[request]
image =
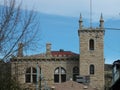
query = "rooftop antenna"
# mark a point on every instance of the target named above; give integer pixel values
(90, 13)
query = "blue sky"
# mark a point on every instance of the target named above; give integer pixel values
(59, 23)
(62, 33)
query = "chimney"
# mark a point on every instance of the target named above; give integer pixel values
(20, 50)
(48, 49)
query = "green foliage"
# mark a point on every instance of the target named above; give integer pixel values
(6, 81)
(8, 84)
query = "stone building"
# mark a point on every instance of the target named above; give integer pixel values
(54, 67)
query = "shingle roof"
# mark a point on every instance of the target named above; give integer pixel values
(63, 53)
(57, 54)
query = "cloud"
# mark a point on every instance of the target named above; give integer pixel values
(72, 8)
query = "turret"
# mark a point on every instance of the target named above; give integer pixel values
(80, 22)
(101, 22)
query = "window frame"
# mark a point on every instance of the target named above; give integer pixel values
(91, 44)
(92, 69)
(59, 75)
(75, 72)
(31, 75)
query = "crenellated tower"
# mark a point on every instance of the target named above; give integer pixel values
(91, 61)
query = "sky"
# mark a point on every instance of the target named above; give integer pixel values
(59, 23)
(72, 8)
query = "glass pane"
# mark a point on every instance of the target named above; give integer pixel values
(63, 78)
(27, 79)
(34, 70)
(63, 71)
(91, 69)
(56, 78)
(28, 70)
(76, 70)
(34, 78)
(91, 44)
(57, 71)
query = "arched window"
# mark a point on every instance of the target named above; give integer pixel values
(75, 73)
(31, 75)
(91, 44)
(92, 69)
(59, 75)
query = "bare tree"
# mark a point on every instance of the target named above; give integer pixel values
(16, 26)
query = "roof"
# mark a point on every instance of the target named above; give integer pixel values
(63, 53)
(60, 53)
(72, 85)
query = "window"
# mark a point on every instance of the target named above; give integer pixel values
(75, 73)
(59, 75)
(91, 44)
(31, 75)
(92, 69)
(56, 75)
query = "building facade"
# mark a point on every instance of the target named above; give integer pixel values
(54, 67)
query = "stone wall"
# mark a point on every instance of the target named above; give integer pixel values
(92, 57)
(47, 70)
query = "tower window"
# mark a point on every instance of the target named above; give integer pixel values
(92, 69)
(91, 44)
(59, 75)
